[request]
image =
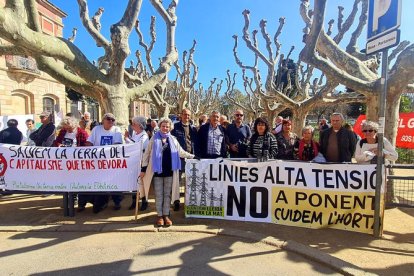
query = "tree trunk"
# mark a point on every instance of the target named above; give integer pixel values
(298, 120)
(118, 105)
(372, 108)
(163, 110)
(391, 117)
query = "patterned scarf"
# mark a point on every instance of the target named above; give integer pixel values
(158, 150)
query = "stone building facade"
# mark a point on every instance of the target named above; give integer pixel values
(24, 89)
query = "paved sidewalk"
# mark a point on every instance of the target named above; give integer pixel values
(346, 252)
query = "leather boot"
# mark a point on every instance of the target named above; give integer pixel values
(144, 204)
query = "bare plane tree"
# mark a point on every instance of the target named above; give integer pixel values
(203, 101)
(108, 82)
(298, 90)
(184, 91)
(353, 68)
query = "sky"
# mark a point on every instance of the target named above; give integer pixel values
(212, 24)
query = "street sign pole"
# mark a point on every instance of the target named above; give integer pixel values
(384, 19)
(380, 154)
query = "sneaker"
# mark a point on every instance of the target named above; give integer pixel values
(176, 205)
(144, 204)
(167, 221)
(132, 207)
(159, 222)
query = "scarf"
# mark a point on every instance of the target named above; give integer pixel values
(158, 150)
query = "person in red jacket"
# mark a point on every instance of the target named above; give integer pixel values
(71, 135)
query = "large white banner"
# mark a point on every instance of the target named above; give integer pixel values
(70, 169)
(290, 193)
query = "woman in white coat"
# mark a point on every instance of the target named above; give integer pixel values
(366, 149)
(161, 162)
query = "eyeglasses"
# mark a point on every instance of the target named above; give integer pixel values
(110, 119)
(368, 130)
(239, 115)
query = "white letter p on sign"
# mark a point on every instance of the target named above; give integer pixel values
(380, 8)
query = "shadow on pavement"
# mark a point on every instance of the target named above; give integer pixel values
(394, 253)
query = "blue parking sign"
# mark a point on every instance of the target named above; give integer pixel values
(383, 17)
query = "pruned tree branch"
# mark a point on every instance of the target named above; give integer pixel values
(92, 29)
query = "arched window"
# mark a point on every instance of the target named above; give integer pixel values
(48, 104)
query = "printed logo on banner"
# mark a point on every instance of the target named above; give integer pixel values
(3, 168)
(106, 140)
(204, 198)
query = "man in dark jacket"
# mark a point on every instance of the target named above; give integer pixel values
(186, 135)
(11, 135)
(45, 134)
(210, 139)
(337, 143)
(237, 136)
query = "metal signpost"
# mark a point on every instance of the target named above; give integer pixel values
(384, 17)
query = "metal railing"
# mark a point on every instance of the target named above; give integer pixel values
(400, 186)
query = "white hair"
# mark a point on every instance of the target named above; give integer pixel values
(166, 120)
(70, 121)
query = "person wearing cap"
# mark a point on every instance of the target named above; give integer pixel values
(45, 134)
(286, 141)
(102, 135)
(186, 135)
(138, 135)
(11, 135)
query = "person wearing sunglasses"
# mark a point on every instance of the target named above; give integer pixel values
(366, 150)
(237, 136)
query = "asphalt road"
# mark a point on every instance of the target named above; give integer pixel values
(89, 253)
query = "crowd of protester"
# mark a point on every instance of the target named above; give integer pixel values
(166, 145)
